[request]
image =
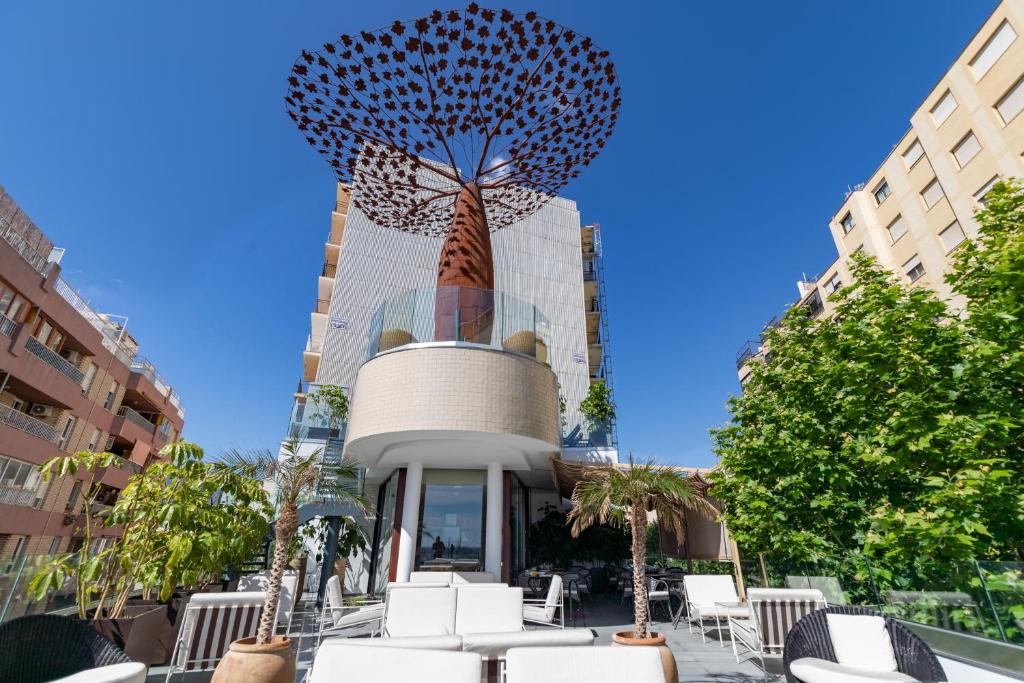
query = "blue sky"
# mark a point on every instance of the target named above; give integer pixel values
(151, 141)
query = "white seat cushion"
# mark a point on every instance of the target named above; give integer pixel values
(452, 643)
(861, 641)
(657, 595)
(493, 645)
(363, 663)
(362, 615)
(128, 672)
(590, 664)
(488, 611)
(812, 670)
(431, 577)
(723, 612)
(536, 613)
(707, 589)
(420, 612)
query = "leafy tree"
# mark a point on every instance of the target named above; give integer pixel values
(550, 541)
(331, 404)
(598, 407)
(895, 426)
(623, 496)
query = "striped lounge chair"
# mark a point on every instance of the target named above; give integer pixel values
(772, 613)
(212, 622)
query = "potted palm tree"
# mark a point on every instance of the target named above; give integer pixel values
(622, 496)
(295, 478)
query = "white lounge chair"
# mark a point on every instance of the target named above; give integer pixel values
(126, 672)
(212, 622)
(337, 660)
(337, 617)
(592, 664)
(772, 612)
(289, 590)
(711, 596)
(545, 611)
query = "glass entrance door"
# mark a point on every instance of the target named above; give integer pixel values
(451, 529)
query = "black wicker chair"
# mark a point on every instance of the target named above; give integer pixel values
(810, 638)
(44, 647)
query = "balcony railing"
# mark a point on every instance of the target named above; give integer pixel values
(54, 360)
(313, 346)
(136, 418)
(24, 249)
(129, 466)
(22, 497)
(746, 352)
(461, 314)
(7, 326)
(111, 333)
(323, 305)
(28, 424)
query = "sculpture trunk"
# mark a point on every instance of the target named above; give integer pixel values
(464, 308)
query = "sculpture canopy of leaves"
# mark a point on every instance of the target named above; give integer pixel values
(410, 113)
(896, 427)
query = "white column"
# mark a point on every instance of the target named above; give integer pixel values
(410, 521)
(495, 503)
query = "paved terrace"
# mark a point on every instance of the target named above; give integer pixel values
(698, 662)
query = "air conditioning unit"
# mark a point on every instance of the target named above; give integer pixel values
(39, 410)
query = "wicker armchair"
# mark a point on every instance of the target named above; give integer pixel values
(44, 647)
(810, 638)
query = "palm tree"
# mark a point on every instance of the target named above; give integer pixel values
(296, 478)
(624, 495)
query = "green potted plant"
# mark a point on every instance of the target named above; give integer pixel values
(182, 521)
(351, 539)
(295, 477)
(622, 496)
(598, 409)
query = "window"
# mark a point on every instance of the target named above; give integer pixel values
(990, 53)
(913, 268)
(979, 196)
(1010, 104)
(20, 483)
(815, 306)
(832, 284)
(882, 191)
(943, 108)
(966, 149)
(65, 435)
(88, 377)
(897, 229)
(43, 330)
(932, 193)
(847, 223)
(913, 154)
(94, 440)
(108, 403)
(17, 308)
(952, 236)
(76, 490)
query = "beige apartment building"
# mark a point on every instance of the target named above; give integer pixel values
(918, 206)
(70, 379)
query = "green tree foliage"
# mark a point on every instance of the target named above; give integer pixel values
(894, 427)
(598, 406)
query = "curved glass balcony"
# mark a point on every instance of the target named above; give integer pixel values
(461, 314)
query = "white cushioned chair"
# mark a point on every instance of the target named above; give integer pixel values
(337, 617)
(550, 610)
(420, 612)
(337, 660)
(704, 592)
(592, 664)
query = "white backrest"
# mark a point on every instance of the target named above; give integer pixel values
(707, 589)
(431, 577)
(422, 584)
(472, 577)
(289, 584)
(553, 597)
(334, 597)
(590, 664)
(420, 612)
(491, 610)
(365, 663)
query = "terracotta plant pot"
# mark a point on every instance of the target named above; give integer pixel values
(340, 567)
(668, 660)
(247, 662)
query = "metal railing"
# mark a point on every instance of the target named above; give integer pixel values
(111, 333)
(746, 352)
(129, 466)
(312, 346)
(136, 418)
(28, 424)
(24, 249)
(7, 326)
(22, 497)
(54, 360)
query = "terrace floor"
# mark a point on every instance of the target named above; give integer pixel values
(698, 662)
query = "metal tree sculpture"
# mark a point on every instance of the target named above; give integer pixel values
(456, 124)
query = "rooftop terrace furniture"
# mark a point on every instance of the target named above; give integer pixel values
(289, 592)
(416, 611)
(828, 585)
(212, 622)
(546, 610)
(452, 578)
(658, 593)
(337, 660)
(337, 617)
(592, 664)
(846, 644)
(47, 647)
(711, 596)
(772, 613)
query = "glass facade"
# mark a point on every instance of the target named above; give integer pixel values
(386, 502)
(518, 521)
(451, 514)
